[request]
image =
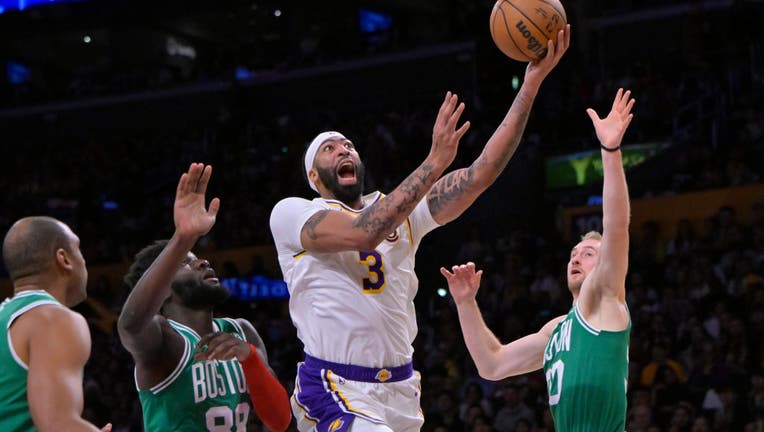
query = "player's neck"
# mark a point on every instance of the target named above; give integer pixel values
(355, 204)
(40, 283)
(199, 320)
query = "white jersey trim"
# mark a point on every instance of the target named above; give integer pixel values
(590, 328)
(17, 314)
(238, 327)
(179, 326)
(178, 369)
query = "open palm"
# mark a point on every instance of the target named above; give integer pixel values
(610, 130)
(191, 216)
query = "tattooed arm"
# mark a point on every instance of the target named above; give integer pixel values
(332, 231)
(456, 191)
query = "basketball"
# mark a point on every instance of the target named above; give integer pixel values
(521, 28)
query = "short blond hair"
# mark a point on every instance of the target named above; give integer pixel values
(592, 235)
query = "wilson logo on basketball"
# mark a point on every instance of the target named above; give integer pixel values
(533, 44)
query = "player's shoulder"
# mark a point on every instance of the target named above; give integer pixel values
(62, 321)
(249, 331)
(290, 201)
(551, 324)
(289, 205)
(56, 314)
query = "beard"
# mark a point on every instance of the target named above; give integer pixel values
(344, 193)
(199, 295)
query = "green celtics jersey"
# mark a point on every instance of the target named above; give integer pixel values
(586, 375)
(199, 395)
(14, 407)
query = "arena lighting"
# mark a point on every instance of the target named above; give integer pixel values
(442, 292)
(8, 5)
(258, 287)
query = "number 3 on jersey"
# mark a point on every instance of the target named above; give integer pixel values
(554, 381)
(375, 283)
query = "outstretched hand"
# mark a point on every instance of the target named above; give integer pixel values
(221, 346)
(445, 135)
(537, 70)
(464, 282)
(610, 130)
(191, 216)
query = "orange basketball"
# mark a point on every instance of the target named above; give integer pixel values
(521, 28)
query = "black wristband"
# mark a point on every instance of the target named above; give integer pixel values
(610, 149)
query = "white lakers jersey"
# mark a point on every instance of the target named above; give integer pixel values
(351, 307)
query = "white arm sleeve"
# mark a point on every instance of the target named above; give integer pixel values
(421, 221)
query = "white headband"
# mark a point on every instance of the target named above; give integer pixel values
(310, 154)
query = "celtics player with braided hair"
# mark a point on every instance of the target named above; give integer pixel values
(194, 372)
(584, 354)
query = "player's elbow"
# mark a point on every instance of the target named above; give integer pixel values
(489, 373)
(490, 369)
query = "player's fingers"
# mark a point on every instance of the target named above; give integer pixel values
(219, 350)
(630, 105)
(106, 428)
(446, 273)
(479, 275)
(227, 355)
(456, 114)
(617, 99)
(560, 45)
(444, 107)
(221, 338)
(181, 185)
(462, 130)
(214, 207)
(192, 178)
(221, 343)
(624, 100)
(211, 339)
(628, 121)
(593, 115)
(567, 36)
(204, 179)
(551, 51)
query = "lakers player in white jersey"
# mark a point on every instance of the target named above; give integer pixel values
(348, 260)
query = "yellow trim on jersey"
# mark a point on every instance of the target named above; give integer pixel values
(305, 415)
(411, 233)
(299, 255)
(340, 205)
(419, 389)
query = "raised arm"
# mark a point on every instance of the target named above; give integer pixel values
(494, 361)
(457, 190)
(608, 279)
(138, 324)
(331, 231)
(57, 357)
